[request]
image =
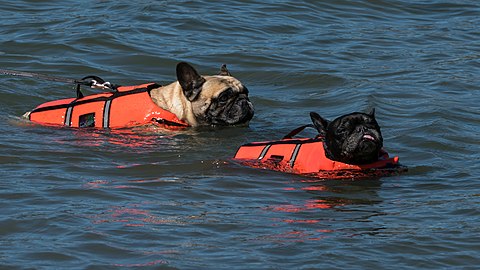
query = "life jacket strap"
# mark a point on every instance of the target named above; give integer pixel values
(169, 123)
(297, 131)
(279, 158)
(264, 151)
(68, 115)
(294, 155)
(106, 113)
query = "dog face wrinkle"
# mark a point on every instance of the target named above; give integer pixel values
(353, 138)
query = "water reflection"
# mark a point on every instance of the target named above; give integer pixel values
(322, 209)
(112, 184)
(298, 236)
(332, 194)
(151, 263)
(133, 216)
(144, 214)
(353, 174)
(144, 138)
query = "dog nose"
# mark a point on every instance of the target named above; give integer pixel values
(361, 128)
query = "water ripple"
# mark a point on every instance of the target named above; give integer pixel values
(150, 198)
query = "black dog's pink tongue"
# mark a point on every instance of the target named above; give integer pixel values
(368, 137)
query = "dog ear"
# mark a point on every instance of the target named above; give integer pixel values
(319, 123)
(190, 81)
(224, 71)
(372, 112)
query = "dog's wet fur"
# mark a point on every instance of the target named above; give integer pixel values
(353, 138)
(218, 100)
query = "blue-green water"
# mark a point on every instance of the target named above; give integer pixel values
(72, 199)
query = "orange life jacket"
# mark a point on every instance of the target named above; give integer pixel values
(126, 107)
(300, 155)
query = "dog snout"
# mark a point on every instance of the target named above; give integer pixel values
(361, 129)
(243, 96)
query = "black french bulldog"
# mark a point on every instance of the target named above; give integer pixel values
(353, 138)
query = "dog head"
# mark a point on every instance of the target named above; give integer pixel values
(354, 138)
(219, 100)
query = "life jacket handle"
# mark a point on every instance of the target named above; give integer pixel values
(297, 131)
(94, 82)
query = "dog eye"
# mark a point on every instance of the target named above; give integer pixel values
(225, 96)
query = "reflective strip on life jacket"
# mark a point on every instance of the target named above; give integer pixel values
(128, 106)
(302, 155)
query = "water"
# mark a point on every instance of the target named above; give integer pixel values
(148, 198)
